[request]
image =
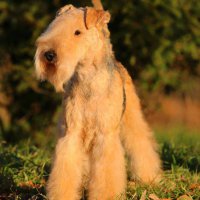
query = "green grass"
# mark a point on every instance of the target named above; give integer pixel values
(180, 153)
(24, 168)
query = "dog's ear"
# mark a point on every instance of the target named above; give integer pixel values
(64, 9)
(96, 18)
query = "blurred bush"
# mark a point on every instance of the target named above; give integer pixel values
(158, 41)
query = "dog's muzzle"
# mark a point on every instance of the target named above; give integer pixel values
(50, 56)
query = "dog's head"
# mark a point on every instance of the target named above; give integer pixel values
(73, 36)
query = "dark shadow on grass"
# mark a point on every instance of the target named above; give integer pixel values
(9, 191)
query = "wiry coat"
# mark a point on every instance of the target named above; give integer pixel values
(100, 111)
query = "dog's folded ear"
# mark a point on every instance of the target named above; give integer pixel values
(96, 18)
(64, 9)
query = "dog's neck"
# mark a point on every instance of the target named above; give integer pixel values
(91, 73)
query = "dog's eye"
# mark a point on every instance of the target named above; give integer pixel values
(77, 32)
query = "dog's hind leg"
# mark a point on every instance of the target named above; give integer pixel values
(138, 138)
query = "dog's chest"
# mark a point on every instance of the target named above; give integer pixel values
(90, 123)
(83, 111)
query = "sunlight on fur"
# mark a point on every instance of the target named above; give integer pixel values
(101, 110)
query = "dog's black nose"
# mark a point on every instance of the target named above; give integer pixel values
(50, 56)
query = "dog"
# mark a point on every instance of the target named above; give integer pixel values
(101, 111)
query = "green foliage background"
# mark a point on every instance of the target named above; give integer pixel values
(158, 41)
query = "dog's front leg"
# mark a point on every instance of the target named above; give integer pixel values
(65, 179)
(108, 173)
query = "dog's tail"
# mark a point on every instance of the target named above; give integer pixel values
(137, 137)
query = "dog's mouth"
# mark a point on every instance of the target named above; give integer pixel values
(50, 68)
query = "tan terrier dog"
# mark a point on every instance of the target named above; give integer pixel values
(101, 110)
